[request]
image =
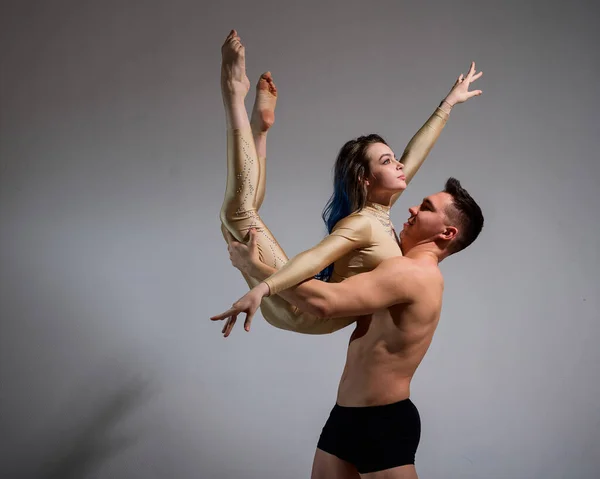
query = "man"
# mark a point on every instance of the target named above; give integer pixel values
(374, 429)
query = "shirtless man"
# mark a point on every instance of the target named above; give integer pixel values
(374, 429)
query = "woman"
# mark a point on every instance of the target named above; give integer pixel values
(367, 181)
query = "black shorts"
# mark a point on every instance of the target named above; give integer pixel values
(373, 438)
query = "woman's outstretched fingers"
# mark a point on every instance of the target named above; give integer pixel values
(472, 69)
(225, 326)
(248, 321)
(226, 314)
(229, 326)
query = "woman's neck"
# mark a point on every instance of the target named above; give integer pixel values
(384, 199)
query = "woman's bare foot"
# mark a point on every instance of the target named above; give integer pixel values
(234, 82)
(263, 113)
(263, 117)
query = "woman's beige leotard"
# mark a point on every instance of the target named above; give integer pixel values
(358, 243)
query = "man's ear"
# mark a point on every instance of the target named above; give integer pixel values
(449, 233)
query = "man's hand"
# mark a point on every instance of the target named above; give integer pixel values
(244, 256)
(248, 304)
(460, 91)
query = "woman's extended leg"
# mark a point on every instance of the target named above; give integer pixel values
(244, 193)
(262, 119)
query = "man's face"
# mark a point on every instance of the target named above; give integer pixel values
(428, 221)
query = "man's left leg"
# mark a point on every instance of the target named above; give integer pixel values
(328, 466)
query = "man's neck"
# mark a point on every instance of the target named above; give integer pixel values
(426, 252)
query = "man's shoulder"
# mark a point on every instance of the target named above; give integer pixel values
(413, 264)
(418, 271)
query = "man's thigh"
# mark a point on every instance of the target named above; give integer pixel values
(400, 472)
(328, 466)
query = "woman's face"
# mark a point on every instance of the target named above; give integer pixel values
(387, 174)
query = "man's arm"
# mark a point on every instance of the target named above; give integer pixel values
(394, 281)
(306, 296)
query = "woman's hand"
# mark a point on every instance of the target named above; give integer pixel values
(460, 91)
(244, 256)
(249, 304)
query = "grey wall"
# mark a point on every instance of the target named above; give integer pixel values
(112, 173)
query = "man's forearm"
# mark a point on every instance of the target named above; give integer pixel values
(262, 271)
(309, 296)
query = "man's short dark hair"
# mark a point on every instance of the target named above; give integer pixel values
(464, 213)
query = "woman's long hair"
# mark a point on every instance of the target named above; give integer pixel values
(349, 189)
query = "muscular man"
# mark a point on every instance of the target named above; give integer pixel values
(374, 428)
